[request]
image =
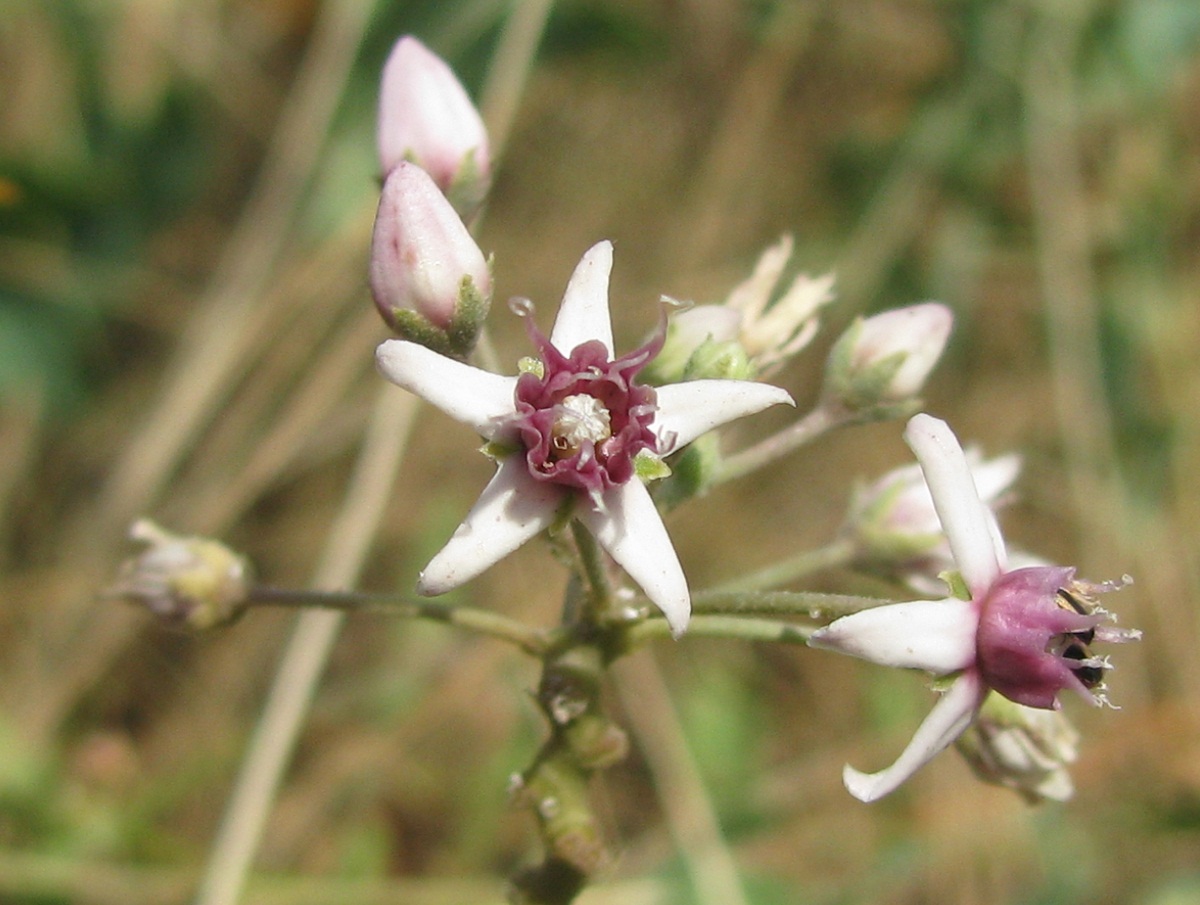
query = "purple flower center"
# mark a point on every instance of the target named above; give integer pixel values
(1035, 628)
(584, 419)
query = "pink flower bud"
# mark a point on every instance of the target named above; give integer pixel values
(426, 116)
(883, 361)
(425, 263)
(918, 332)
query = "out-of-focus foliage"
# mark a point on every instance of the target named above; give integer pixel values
(99, 154)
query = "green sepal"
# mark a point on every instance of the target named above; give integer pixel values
(943, 683)
(416, 328)
(712, 359)
(649, 467)
(718, 361)
(469, 315)
(497, 451)
(468, 188)
(958, 586)
(527, 364)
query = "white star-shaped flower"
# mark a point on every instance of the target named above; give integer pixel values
(576, 426)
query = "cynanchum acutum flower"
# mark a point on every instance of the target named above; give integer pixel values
(570, 435)
(1025, 633)
(426, 117)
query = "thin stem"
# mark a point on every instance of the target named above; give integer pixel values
(482, 622)
(592, 560)
(742, 628)
(838, 553)
(819, 421)
(822, 607)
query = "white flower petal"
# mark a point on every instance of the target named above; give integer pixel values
(583, 314)
(512, 508)
(948, 720)
(969, 525)
(475, 397)
(687, 410)
(631, 530)
(934, 635)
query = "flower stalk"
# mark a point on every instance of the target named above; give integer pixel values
(826, 417)
(471, 619)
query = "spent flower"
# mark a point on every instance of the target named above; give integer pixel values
(187, 582)
(1025, 749)
(1024, 633)
(426, 117)
(572, 435)
(429, 279)
(761, 324)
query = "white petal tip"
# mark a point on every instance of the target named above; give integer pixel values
(820, 639)
(678, 625)
(428, 586)
(866, 787)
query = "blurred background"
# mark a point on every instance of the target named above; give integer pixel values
(186, 194)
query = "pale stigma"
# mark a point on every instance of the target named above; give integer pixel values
(579, 419)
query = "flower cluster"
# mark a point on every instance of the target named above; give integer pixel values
(579, 430)
(578, 433)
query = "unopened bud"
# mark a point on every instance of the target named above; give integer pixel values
(187, 582)
(880, 364)
(1022, 748)
(893, 521)
(429, 278)
(426, 117)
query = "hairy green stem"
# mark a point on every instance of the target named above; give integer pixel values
(742, 628)
(821, 607)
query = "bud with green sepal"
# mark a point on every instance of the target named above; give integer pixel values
(429, 278)
(880, 364)
(1025, 749)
